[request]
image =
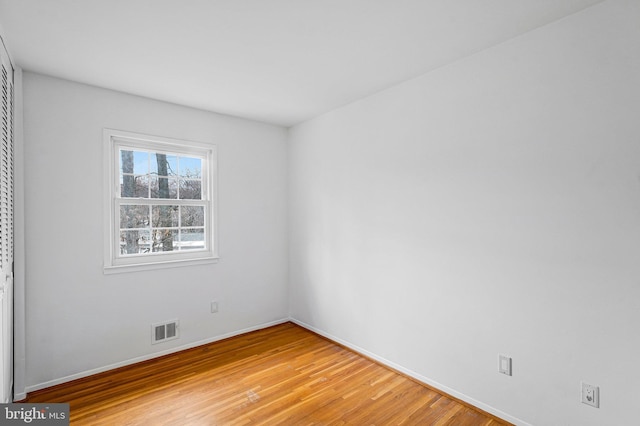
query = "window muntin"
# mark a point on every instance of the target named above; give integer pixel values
(161, 200)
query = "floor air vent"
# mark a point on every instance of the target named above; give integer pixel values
(161, 332)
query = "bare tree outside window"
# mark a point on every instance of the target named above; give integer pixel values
(128, 190)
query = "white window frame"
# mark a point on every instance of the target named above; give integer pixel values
(114, 262)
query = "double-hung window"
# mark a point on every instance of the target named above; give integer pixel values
(160, 198)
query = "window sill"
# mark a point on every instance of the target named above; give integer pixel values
(150, 266)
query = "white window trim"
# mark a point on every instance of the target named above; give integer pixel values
(115, 264)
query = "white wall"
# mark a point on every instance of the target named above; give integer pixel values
(79, 319)
(491, 206)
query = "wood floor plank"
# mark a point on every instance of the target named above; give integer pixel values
(282, 375)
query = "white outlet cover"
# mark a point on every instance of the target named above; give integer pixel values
(504, 364)
(590, 394)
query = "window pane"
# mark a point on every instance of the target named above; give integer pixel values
(162, 187)
(165, 216)
(141, 186)
(190, 189)
(136, 216)
(140, 163)
(134, 242)
(190, 167)
(127, 185)
(192, 239)
(126, 162)
(134, 162)
(173, 188)
(164, 239)
(164, 164)
(192, 216)
(134, 186)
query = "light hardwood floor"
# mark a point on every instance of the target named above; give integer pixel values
(282, 375)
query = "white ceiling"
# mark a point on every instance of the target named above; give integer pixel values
(278, 61)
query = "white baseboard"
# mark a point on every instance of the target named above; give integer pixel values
(23, 395)
(414, 375)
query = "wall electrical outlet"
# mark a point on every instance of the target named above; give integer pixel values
(590, 395)
(504, 364)
(214, 307)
